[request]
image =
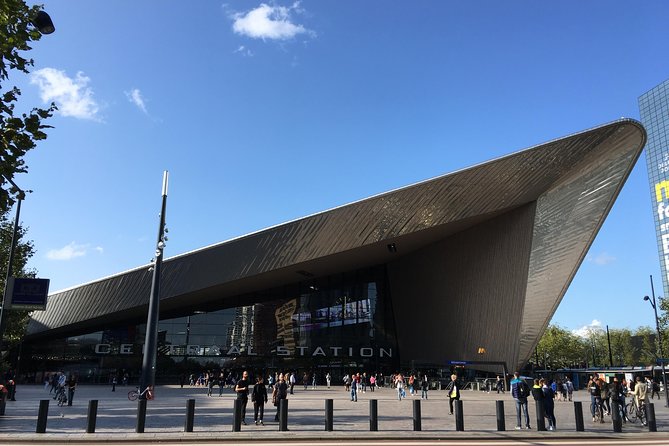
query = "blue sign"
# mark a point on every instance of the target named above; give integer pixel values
(458, 362)
(27, 294)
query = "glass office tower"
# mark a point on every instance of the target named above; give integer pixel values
(654, 110)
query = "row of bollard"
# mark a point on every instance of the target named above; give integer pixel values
(329, 416)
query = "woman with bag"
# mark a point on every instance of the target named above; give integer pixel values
(453, 392)
(280, 393)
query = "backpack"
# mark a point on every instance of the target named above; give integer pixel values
(523, 389)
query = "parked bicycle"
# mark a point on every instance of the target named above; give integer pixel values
(134, 394)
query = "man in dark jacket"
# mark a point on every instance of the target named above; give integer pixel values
(259, 398)
(280, 393)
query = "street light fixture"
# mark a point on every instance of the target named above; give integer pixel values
(653, 304)
(43, 23)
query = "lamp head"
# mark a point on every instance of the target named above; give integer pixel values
(43, 23)
(646, 298)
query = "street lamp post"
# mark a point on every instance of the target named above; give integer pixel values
(15, 236)
(148, 377)
(653, 303)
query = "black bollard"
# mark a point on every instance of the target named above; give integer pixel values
(237, 416)
(578, 415)
(141, 416)
(459, 416)
(615, 416)
(190, 416)
(373, 415)
(92, 416)
(3, 403)
(42, 416)
(283, 415)
(329, 409)
(416, 415)
(650, 417)
(541, 421)
(501, 423)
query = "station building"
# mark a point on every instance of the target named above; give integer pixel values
(465, 268)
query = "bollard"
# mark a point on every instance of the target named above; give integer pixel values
(416, 415)
(3, 403)
(92, 416)
(42, 416)
(650, 417)
(283, 415)
(459, 416)
(501, 423)
(615, 416)
(190, 415)
(541, 421)
(329, 409)
(578, 414)
(237, 416)
(141, 416)
(373, 415)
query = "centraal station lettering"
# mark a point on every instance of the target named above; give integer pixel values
(197, 350)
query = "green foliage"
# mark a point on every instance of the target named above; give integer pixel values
(19, 133)
(560, 348)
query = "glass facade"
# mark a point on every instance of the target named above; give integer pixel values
(330, 324)
(654, 111)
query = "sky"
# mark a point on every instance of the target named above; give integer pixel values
(268, 112)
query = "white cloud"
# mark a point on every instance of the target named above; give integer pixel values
(244, 51)
(71, 251)
(268, 22)
(135, 96)
(587, 330)
(72, 95)
(602, 259)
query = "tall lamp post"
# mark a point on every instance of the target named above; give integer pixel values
(653, 303)
(15, 236)
(148, 378)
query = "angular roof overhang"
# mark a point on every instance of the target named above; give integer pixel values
(574, 180)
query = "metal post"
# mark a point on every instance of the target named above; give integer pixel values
(148, 377)
(616, 419)
(373, 415)
(190, 415)
(650, 417)
(141, 416)
(42, 416)
(578, 415)
(541, 422)
(659, 344)
(501, 423)
(283, 415)
(92, 416)
(329, 409)
(237, 416)
(416, 415)
(12, 248)
(459, 416)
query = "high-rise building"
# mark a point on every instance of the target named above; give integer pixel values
(654, 109)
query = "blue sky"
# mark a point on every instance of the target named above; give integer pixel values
(267, 112)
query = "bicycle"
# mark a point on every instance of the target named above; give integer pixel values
(636, 412)
(134, 394)
(60, 396)
(598, 416)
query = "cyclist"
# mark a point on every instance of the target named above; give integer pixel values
(640, 391)
(595, 389)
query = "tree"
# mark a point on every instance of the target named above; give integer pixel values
(15, 320)
(560, 348)
(19, 133)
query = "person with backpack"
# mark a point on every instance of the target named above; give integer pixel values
(549, 404)
(520, 391)
(453, 389)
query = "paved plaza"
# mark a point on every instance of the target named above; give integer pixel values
(116, 418)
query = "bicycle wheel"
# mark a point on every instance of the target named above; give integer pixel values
(642, 414)
(631, 412)
(133, 395)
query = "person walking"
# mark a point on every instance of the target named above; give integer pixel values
(71, 386)
(654, 387)
(354, 390)
(453, 389)
(242, 390)
(328, 379)
(372, 383)
(549, 404)
(520, 391)
(292, 381)
(399, 384)
(570, 389)
(113, 383)
(259, 398)
(595, 390)
(280, 393)
(499, 385)
(424, 387)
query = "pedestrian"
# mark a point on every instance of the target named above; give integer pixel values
(453, 389)
(570, 388)
(549, 405)
(259, 398)
(499, 385)
(71, 386)
(210, 386)
(655, 389)
(372, 382)
(313, 381)
(347, 382)
(305, 380)
(328, 379)
(640, 393)
(424, 386)
(280, 393)
(595, 391)
(354, 390)
(242, 389)
(520, 391)
(113, 383)
(399, 383)
(293, 380)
